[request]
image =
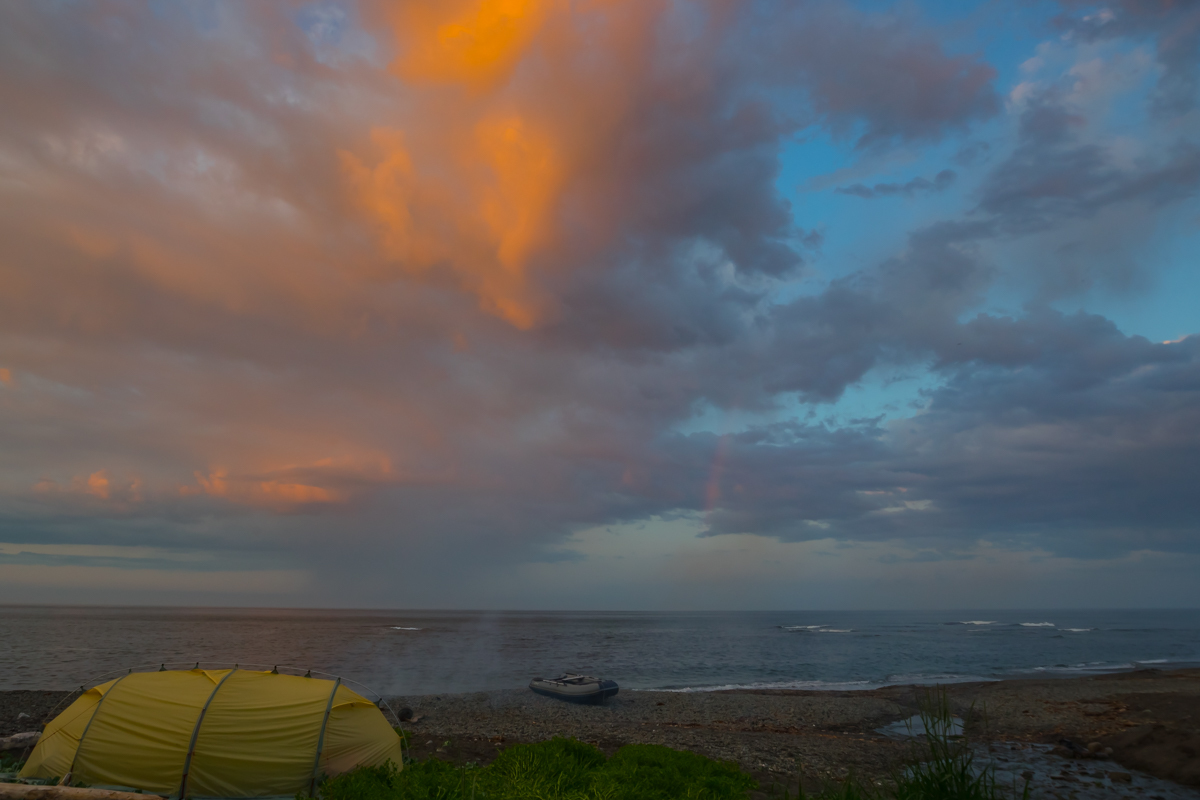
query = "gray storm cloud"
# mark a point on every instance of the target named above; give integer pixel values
(273, 295)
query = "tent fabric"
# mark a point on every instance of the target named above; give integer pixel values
(55, 750)
(344, 748)
(249, 734)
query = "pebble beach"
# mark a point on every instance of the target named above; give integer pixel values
(1037, 729)
(1150, 719)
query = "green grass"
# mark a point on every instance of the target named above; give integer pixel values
(942, 767)
(560, 769)
(11, 761)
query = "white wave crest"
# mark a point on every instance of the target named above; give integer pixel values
(1091, 667)
(398, 628)
(925, 679)
(837, 686)
(1036, 624)
(978, 622)
(820, 686)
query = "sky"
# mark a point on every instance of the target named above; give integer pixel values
(600, 304)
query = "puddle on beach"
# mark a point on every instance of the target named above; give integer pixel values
(915, 726)
(1053, 777)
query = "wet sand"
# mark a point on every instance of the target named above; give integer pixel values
(1150, 718)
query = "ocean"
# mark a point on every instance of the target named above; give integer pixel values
(432, 652)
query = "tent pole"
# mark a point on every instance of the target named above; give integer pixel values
(187, 762)
(312, 784)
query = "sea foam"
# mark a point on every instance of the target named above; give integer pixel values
(821, 686)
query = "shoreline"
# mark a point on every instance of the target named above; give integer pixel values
(1150, 718)
(918, 681)
(780, 734)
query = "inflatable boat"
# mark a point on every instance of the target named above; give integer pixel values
(575, 688)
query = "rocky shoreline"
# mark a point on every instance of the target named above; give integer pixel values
(1150, 719)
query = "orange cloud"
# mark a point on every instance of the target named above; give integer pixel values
(326, 481)
(487, 232)
(390, 192)
(473, 185)
(474, 42)
(98, 485)
(294, 493)
(517, 204)
(270, 493)
(6, 376)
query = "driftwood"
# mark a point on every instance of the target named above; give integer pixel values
(21, 791)
(19, 741)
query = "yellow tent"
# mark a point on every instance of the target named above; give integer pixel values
(213, 733)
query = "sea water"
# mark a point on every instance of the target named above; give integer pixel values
(431, 652)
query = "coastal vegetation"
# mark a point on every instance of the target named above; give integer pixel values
(559, 769)
(10, 761)
(943, 767)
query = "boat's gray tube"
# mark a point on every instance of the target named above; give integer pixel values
(575, 688)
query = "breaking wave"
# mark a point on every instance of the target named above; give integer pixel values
(815, 629)
(820, 686)
(831, 686)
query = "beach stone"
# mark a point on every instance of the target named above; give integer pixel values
(1120, 777)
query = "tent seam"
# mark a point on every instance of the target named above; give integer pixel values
(312, 784)
(88, 727)
(187, 761)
